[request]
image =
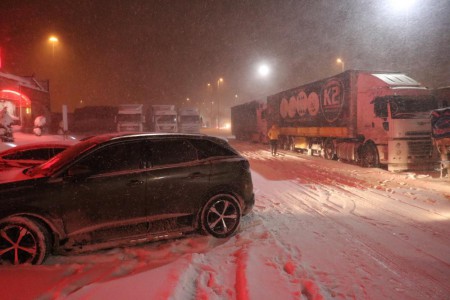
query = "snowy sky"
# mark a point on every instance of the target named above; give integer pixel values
(117, 51)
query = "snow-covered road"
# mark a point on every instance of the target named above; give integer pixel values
(320, 229)
(358, 233)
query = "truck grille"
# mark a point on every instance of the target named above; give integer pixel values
(420, 148)
(421, 133)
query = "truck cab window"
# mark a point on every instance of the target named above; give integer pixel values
(381, 108)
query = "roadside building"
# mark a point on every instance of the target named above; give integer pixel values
(25, 98)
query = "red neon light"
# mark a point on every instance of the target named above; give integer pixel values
(22, 96)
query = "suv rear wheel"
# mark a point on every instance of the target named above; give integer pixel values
(221, 216)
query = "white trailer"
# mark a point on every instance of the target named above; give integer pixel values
(130, 117)
(189, 120)
(163, 118)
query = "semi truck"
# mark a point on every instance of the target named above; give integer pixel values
(370, 118)
(248, 121)
(189, 120)
(130, 117)
(163, 118)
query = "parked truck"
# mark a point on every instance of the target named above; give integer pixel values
(130, 117)
(189, 120)
(371, 118)
(163, 118)
(248, 121)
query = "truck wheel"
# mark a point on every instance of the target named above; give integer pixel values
(329, 151)
(291, 145)
(369, 156)
(262, 138)
(286, 143)
(23, 241)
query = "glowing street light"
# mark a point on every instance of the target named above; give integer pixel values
(402, 5)
(340, 61)
(264, 70)
(53, 39)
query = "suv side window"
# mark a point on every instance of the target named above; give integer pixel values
(208, 149)
(115, 157)
(167, 152)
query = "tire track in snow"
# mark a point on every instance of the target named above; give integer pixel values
(256, 266)
(382, 254)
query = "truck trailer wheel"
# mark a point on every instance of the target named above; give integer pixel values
(329, 151)
(369, 156)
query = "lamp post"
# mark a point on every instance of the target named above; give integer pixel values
(210, 100)
(340, 61)
(220, 80)
(53, 40)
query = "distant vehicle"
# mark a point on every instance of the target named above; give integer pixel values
(130, 118)
(163, 118)
(248, 121)
(112, 190)
(189, 120)
(371, 118)
(30, 154)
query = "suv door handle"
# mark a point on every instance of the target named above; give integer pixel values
(135, 182)
(195, 175)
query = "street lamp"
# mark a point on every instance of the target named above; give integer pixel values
(340, 61)
(263, 70)
(220, 80)
(402, 5)
(53, 40)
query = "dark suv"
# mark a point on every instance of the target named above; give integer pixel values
(117, 189)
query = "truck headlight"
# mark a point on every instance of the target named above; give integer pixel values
(398, 149)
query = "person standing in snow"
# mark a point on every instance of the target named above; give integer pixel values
(6, 120)
(273, 134)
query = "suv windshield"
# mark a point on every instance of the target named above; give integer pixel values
(59, 160)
